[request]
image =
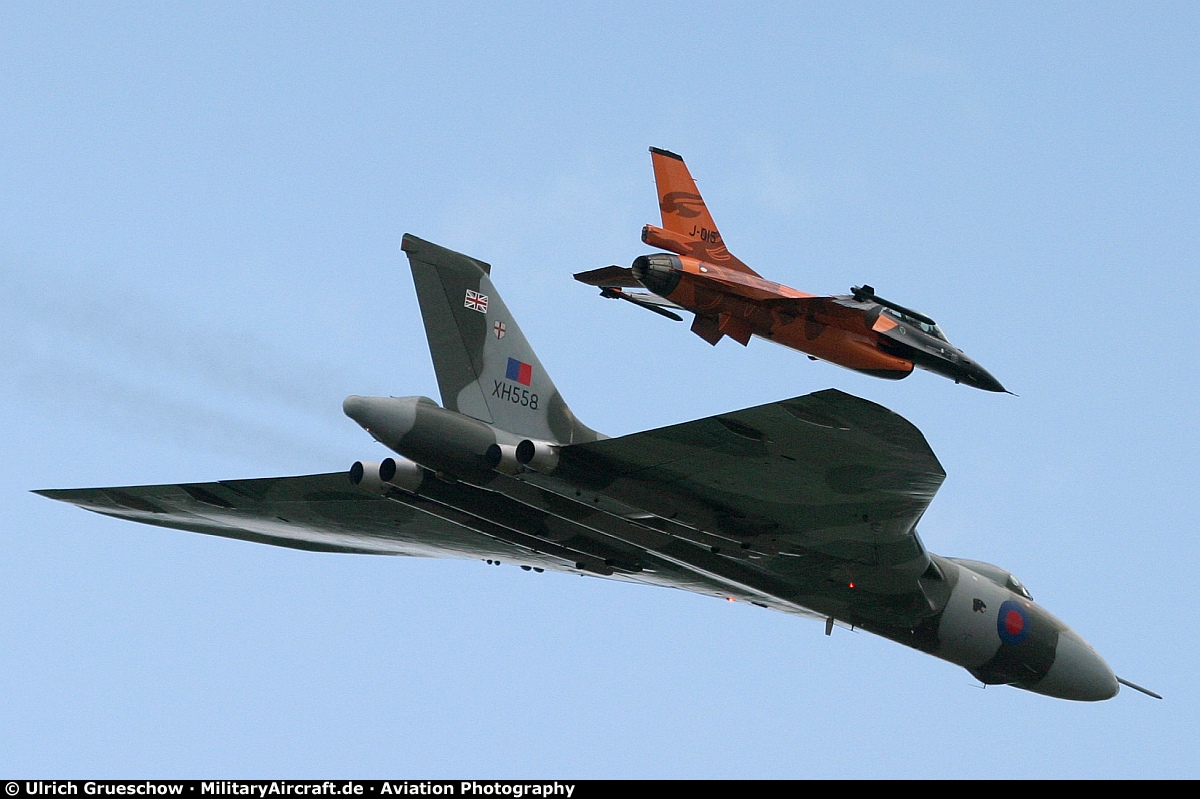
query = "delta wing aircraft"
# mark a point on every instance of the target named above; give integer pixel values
(860, 331)
(808, 506)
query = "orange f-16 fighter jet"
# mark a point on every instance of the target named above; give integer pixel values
(860, 331)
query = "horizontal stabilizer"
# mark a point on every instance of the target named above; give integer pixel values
(616, 276)
(651, 302)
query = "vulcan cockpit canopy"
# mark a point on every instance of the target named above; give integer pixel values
(1001, 577)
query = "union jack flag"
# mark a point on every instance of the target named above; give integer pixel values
(476, 301)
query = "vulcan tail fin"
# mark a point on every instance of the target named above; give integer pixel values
(485, 367)
(688, 228)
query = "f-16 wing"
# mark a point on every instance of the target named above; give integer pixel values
(845, 312)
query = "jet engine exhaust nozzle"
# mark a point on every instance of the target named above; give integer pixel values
(538, 455)
(502, 458)
(392, 472)
(659, 273)
(366, 474)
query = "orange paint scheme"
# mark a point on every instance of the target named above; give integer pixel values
(742, 306)
(860, 331)
(689, 225)
(731, 299)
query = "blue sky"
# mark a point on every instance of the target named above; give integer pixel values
(199, 258)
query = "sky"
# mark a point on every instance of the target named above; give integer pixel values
(201, 208)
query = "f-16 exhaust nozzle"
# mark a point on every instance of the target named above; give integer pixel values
(867, 294)
(538, 455)
(659, 273)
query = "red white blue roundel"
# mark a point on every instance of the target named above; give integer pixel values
(1012, 623)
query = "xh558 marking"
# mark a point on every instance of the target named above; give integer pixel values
(860, 331)
(808, 505)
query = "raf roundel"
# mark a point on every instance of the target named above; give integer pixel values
(1012, 623)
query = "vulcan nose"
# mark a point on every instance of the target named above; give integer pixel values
(1078, 672)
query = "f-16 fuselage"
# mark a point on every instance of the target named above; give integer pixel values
(860, 331)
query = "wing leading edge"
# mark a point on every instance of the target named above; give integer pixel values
(767, 504)
(825, 490)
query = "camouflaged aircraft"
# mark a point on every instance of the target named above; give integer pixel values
(860, 331)
(807, 506)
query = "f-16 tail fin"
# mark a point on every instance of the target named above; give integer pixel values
(485, 367)
(688, 228)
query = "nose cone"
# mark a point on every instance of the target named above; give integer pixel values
(956, 366)
(975, 375)
(1078, 673)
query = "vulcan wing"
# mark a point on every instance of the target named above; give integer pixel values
(320, 512)
(827, 487)
(326, 513)
(786, 504)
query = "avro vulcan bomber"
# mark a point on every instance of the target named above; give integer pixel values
(807, 505)
(860, 331)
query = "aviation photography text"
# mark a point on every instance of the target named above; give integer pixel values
(261, 789)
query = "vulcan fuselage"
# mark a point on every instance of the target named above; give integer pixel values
(972, 614)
